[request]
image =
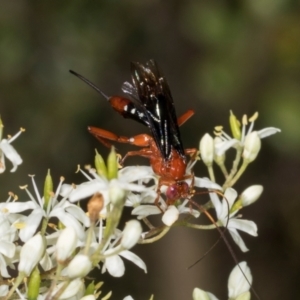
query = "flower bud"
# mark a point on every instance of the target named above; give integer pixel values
(91, 289)
(74, 290)
(100, 165)
(112, 164)
(218, 158)
(131, 234)
(31, 253)
(170, 216)
(79, 266)
(251, 147)
(66, 244)
(48, 189)
(235, 126)
(207, 149)
(34, 284)
(251, 194)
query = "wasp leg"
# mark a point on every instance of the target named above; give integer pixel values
(141, 140)
(183, 118)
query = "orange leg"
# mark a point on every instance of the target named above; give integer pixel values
(183, 118)
(141, 140)
(192, 152)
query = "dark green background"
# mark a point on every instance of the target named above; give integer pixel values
(217, 56)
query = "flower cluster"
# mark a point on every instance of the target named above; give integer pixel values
(49, 239)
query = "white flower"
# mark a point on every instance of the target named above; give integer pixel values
(113, 251)
(115, 265)
(228, 142)
(233, 224)
(79, 266)
(8, 151)
(238, 286)
(106, 187)
(7, 245)
(66, 244)
(31, 253)
(131, 234)
(69, 214)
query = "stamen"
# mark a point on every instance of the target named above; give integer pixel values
(78, 169)
(219, 128)
(244, 120)
(218, 133)
(12, 138)
(84, 173)
(36, 190)
(24, 187)
(254, 117)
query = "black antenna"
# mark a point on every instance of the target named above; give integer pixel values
(89, 83)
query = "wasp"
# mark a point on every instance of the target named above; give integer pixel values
(150, 103)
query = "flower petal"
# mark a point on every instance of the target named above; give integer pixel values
(268, 131)
(217, 203)
(146, 210)
(221, 148)
(31, 224)
(3, 290)
(136, 173)
(69, 221)
(244, 225)
(2, 162)
(206, 183)
(135, 259)
(83, 190)
(228, 200)
(115, 266)
(11, 154)
(171, 215)
(237, 283)
(8, 249)
(16, 207)
(199, 294)
(238, 239)
(3, 268)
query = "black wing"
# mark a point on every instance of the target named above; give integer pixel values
(152, 97)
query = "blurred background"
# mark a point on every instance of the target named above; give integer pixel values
(217, 56)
